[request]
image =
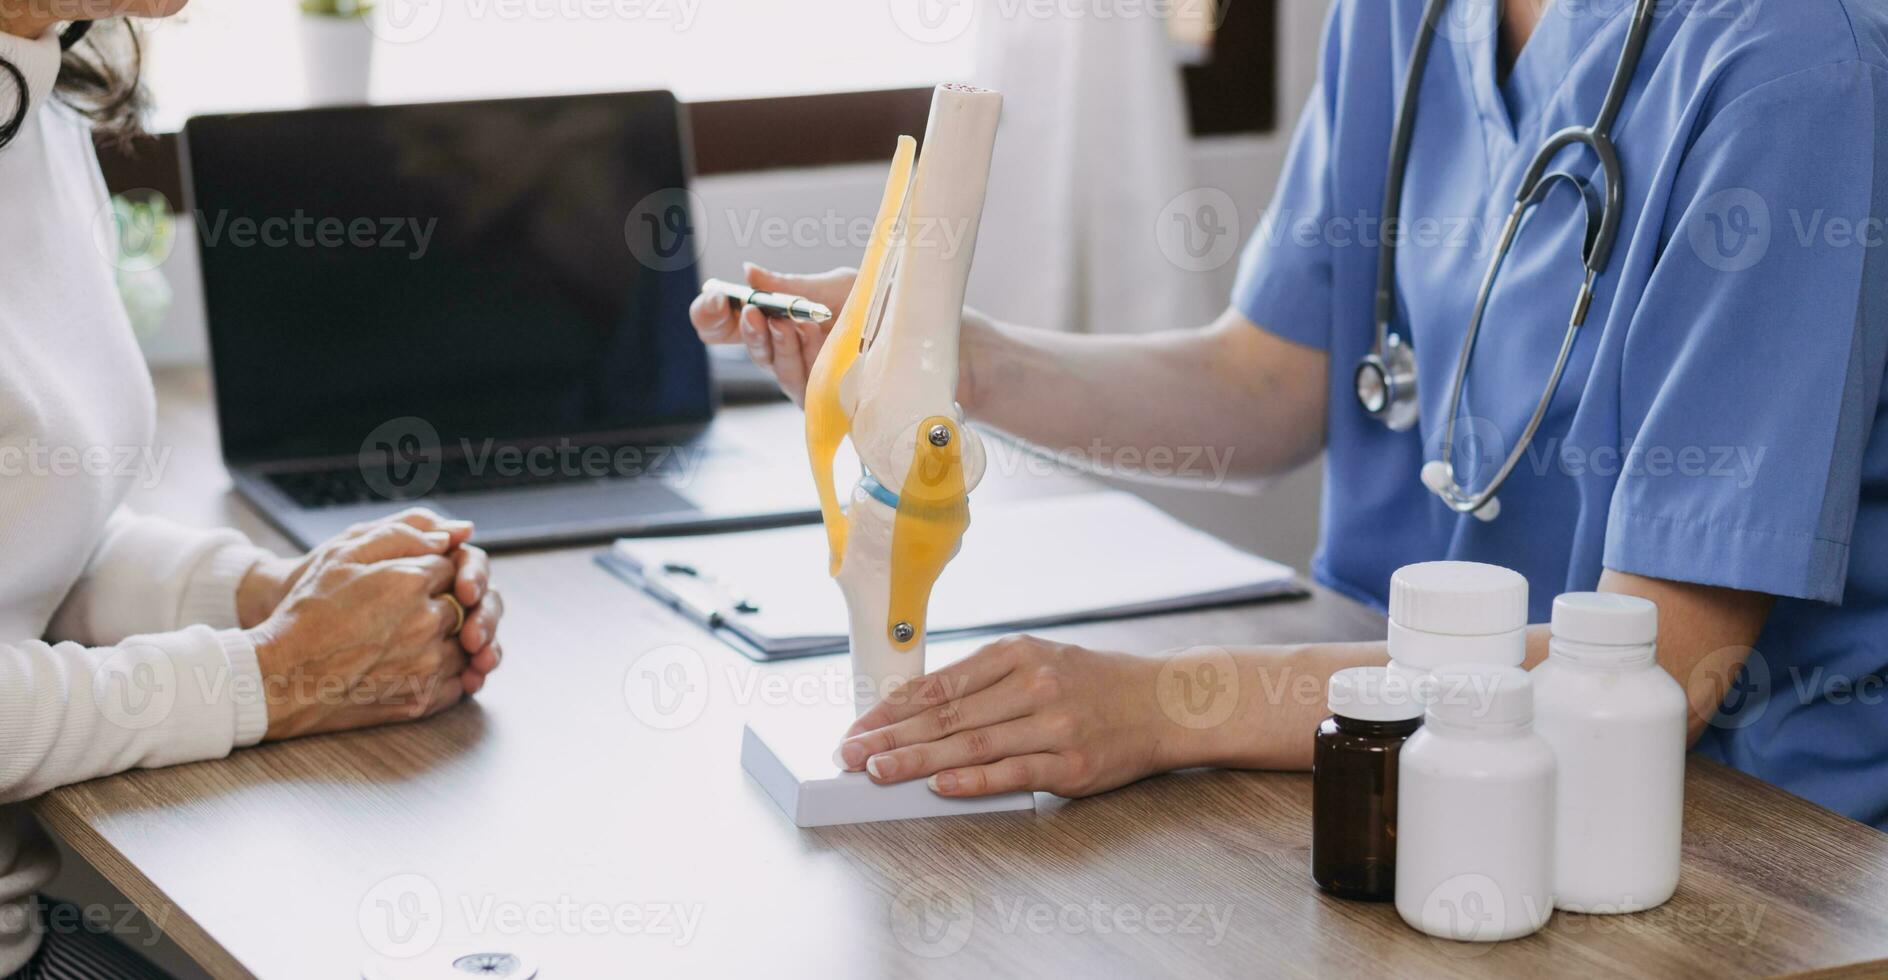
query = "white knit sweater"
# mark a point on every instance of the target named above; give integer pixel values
(118, 645)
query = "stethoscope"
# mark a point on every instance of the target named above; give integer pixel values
(1386, 378)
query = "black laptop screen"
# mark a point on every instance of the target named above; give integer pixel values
(469, 264)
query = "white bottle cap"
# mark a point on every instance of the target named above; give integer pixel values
(1455, 611)
(1481, 696)
(1605, 619)
(1458, 598)
(1373, 694)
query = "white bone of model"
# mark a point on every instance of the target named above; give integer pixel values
(905, 379)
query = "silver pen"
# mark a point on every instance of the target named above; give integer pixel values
(783, 305)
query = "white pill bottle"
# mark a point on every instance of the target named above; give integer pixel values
(1456, 612)
(1616, 721)
(1475, 814)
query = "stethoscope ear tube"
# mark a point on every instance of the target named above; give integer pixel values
(11, 127)
(1452, 493)
(73, 34)
(1400, 140)
(1602, 214)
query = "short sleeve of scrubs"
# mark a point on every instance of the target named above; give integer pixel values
(1752, 371)
(1285, 273)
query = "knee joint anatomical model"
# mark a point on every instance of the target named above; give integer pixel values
(887, 377)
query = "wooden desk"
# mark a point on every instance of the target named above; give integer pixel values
(552, 818)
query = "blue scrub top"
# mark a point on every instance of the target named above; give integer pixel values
(1719, 419)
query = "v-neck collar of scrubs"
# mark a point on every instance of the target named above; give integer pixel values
(1510, 109)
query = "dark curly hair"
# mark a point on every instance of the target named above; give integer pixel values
(98, 78)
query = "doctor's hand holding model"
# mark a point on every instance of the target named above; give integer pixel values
(1675, 383)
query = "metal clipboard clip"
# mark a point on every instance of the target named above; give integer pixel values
(700, 597)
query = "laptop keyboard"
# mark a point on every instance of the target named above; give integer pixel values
(346, 485)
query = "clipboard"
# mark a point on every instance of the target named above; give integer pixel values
(1025, 564)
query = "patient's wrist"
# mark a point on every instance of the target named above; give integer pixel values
(261, 590)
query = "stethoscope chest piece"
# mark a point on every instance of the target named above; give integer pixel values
(1386, 385)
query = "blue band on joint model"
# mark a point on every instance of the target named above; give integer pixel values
(870, 484)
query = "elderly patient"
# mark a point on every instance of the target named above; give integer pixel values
(160, 644)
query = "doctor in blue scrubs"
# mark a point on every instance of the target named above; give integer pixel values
(1714, 441)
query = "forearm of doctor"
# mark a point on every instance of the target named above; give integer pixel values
(1224, 399)
(1705, 634)
(1024, 713)
(1228, 398)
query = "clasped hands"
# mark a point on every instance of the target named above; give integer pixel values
(360, 632)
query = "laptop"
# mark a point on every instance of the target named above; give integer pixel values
(481, 307)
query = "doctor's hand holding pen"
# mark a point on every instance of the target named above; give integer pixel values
(784, 346)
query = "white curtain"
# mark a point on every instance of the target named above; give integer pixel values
(1094, 148)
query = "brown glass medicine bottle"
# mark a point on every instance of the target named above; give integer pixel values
(1353, 778)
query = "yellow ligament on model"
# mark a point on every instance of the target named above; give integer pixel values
(933, 513)
(826, 421)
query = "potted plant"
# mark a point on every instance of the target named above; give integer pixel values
(337, 50)
(137, 237)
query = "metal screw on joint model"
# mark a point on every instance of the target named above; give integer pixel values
(940, 435)
(902, 632)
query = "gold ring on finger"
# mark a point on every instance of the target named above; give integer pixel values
(458, 608)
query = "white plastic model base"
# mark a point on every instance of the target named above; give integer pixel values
(790, 754)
